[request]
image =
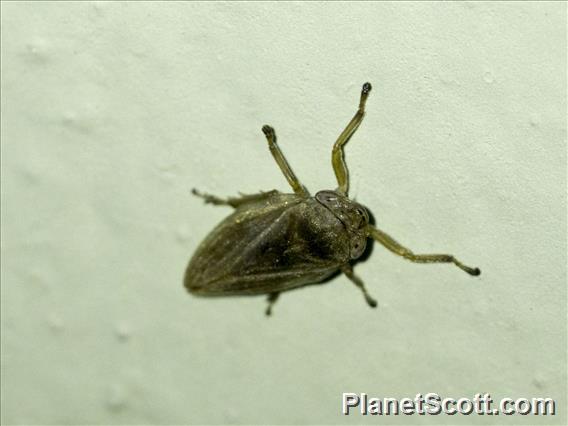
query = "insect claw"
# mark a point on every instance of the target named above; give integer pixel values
(475, 272)
(267, 130)
(366, 88)
(372, 302)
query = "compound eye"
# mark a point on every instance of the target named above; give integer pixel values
(362, 214)
(358, 247)
(329, 198)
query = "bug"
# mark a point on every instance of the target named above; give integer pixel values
(274, 242)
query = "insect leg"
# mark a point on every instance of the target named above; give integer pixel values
(282, 163)
(348, 270)
(337, 159)
(272, 298)
(391, 244)
(232, 201)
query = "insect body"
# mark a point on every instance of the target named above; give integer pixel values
(275, 242)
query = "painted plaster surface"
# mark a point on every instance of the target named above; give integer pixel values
(112, 112)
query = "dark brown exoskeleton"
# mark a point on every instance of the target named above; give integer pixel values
(275, 242)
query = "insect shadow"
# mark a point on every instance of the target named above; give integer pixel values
(275, 242)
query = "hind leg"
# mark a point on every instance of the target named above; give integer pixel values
(232, 201)
(272, 298)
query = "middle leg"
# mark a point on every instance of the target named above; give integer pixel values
(348, 271)
(282, 163)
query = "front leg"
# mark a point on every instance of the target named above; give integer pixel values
(391, 244)
(337, 160)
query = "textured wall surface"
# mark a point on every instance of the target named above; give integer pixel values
(112, 112)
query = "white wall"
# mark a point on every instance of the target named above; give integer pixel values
(112, 112)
